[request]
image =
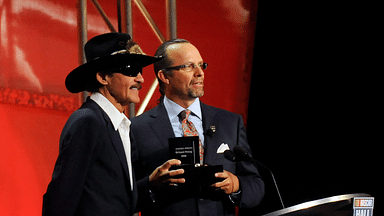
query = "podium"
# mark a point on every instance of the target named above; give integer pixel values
(341, 205)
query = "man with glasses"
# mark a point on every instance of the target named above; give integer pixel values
(180, 112)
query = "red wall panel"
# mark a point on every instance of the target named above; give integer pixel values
(38, 48)
(28, 150)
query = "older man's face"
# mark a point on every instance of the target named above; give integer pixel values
(124, 89)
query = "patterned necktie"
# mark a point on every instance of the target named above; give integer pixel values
(190, 130)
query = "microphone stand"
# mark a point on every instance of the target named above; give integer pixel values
(255, 162)
(242, 155)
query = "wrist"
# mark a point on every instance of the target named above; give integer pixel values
(236, 184)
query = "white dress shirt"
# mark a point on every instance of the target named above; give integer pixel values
(120, 123)
(196, 117)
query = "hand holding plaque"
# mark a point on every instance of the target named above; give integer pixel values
(162, 176)
(186, 149)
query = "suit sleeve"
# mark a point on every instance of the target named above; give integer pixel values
(77, 147)
(251, 183)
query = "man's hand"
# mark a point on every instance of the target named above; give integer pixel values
(230, 184)
(161, 177)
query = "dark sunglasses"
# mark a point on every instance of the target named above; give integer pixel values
(128, 70)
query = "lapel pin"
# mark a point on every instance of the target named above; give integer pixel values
(211, 130)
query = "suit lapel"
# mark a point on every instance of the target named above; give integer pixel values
(161, 125)
(114, 135)
(210, 139)
(118, 146)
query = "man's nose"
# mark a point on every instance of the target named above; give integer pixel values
(139, 78)
(199, 71)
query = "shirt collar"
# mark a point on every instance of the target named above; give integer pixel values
(174, 109)
(113, 113)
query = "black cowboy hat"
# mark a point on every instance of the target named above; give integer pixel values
(103, 52)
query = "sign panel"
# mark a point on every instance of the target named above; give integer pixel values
(363, 206)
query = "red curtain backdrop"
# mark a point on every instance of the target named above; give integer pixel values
(38, 48)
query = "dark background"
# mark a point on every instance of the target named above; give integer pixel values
(315, 114)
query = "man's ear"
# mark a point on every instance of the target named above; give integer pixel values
(163, 77)
(101, 79)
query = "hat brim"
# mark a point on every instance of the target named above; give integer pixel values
(78, 79)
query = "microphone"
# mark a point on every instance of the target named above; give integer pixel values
(228, 154)
(240, 154)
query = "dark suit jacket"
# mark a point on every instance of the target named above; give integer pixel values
(91, 172)
(151, 132)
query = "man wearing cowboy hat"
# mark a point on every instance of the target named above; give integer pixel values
(93, 172)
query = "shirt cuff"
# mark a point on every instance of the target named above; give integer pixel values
(235, 197)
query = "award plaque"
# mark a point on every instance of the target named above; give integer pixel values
(185, 149)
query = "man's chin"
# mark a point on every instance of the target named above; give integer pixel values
(196, 94)
(134, 96)
(131, 100)
(135, 100)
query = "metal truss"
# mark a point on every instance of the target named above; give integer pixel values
(124, 13)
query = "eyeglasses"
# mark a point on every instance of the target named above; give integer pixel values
(189, 67)
(128, 70)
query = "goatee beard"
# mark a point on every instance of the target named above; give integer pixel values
(195, 94)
